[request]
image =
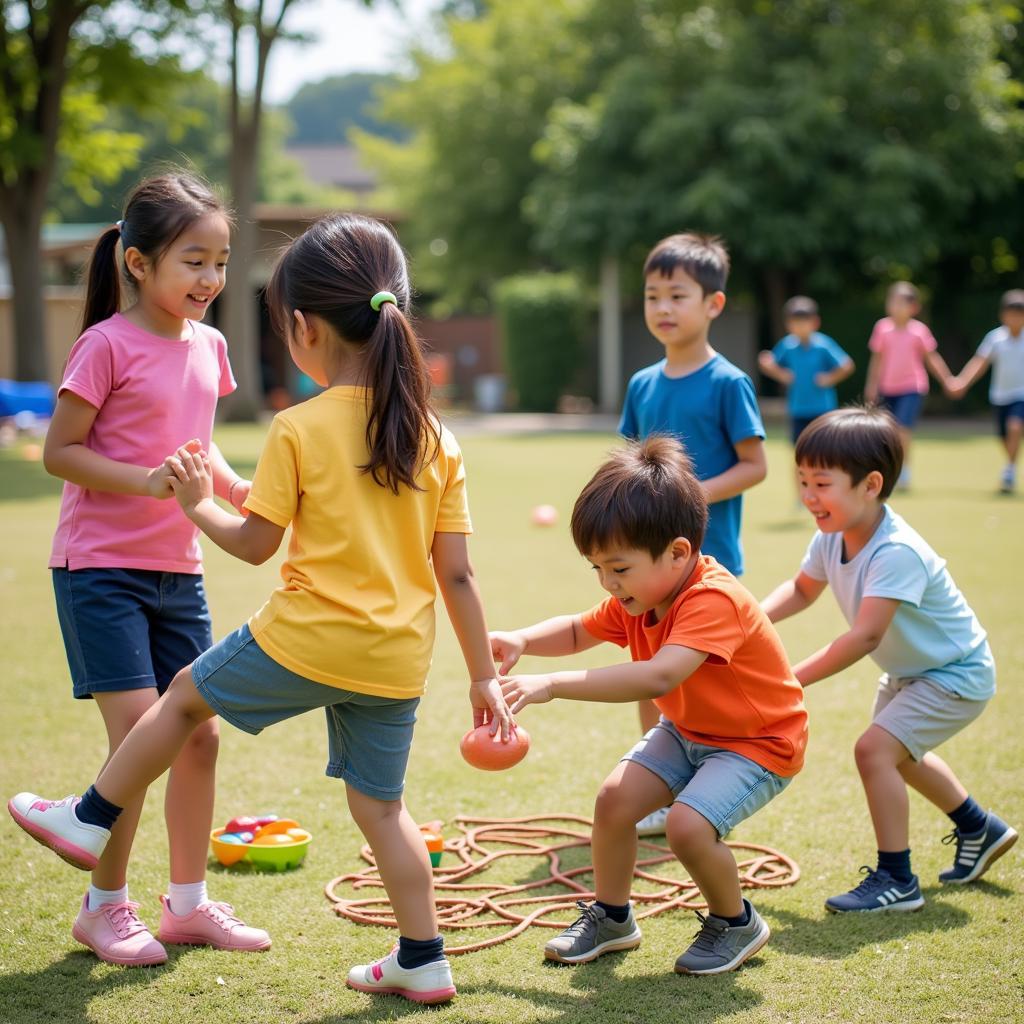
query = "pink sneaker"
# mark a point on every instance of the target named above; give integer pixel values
(431, 983)
(55, 824)
(210, 924)
(115, 934)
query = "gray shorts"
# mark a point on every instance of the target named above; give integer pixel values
(368, 737)
(723, 786)
(920, 713)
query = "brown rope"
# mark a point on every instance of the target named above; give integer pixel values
(483, 905)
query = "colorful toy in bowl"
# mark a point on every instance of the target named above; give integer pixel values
(266, 842)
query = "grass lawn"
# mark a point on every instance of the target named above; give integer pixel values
(959, 959)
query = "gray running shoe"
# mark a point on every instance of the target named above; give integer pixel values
(719, 948)
(592, 934)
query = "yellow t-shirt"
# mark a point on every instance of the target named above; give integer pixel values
(356, 608)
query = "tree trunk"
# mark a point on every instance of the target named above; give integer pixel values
(775, 282)
(22, 232)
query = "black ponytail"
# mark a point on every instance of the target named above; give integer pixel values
(157, 212)
(332, 271)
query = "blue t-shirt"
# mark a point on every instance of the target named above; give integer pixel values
(710, 411)
(934, 633)
(820, 355)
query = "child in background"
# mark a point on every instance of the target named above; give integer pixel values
(901, 349)
(1003, 350)
(733, 727)
(126, 565)
(374, 490)
(905, 611)
(698, 396)
(808, 363)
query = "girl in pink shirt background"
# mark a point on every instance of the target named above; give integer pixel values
(126, 564)
(903, 350)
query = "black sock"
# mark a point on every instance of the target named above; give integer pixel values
(94, 810)
(615, 913)
(969, 817)
(742, 920)
(417, 952)
(897, 863)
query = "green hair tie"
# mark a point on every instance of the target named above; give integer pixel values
(380, 298)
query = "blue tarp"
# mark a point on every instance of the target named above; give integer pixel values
(20, 396)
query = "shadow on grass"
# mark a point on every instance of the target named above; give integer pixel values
(63, 990)
(602, 994)
(838, 936)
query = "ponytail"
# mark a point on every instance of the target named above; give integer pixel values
(332, 271)
(103, 289)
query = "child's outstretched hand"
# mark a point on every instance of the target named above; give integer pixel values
(192, 481)
(522, 690)
(506, 649)
(489, 707)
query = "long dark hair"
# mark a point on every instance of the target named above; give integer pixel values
(158, 210)
(332, 271)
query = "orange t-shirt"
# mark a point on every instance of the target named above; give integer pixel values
(744, 697)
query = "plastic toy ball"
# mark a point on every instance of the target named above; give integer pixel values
(487, 752)
(243, 823)
(544, 515)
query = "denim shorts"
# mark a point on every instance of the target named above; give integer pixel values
(1014, 410)
(723, 786)
(920, 713)
(129, 629)
(368, 737)
(904, 408)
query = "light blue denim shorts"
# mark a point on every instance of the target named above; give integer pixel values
(723, 786)
(368, 737)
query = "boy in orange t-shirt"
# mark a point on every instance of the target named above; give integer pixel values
(733, 726)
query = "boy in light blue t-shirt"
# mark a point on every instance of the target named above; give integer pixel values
(906, 612)
(698, 396)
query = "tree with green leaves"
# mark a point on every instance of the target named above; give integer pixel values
(61, 62)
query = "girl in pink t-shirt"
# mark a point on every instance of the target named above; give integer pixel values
(126, 563)
(903, 349)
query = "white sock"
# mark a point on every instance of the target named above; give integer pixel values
(184, 898)
(101, 897)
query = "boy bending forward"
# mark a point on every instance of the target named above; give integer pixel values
(733, 726)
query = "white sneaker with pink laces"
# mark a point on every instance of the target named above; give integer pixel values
(429, 983)
(55, 824)
(114, 933)
(210, 924)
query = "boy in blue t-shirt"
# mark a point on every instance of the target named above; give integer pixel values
(698, 396)
(808, 363)
(903, 609)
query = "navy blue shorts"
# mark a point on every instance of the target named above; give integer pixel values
(1014, 410)
(905, 408)
(129, 629)
(798, 424)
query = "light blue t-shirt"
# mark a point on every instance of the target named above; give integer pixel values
(820, 355)
(710, 410)
(934, 633)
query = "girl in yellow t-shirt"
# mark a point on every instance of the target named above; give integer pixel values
(373, 488)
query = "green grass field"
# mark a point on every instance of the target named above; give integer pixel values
(959, 959)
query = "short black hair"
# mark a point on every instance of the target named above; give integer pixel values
(858, 440)
(1013, 299)
(643, 496)
(800, 305)
(702, 257)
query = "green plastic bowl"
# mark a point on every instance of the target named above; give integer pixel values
(263, 858)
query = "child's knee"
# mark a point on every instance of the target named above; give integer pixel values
(688, 831)
(613, 807)
(203, 745)
(873, 750)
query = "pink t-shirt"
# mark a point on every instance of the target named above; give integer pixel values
(902, 352)
(153, 394)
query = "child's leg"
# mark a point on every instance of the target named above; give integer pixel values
(402, 860)
(710, 863)
(879, 756)
(1012, 436)
(630, 792)
(935, 781)
(188, 804)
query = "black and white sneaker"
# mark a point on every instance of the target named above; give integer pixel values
(976, 851)
(878, 891)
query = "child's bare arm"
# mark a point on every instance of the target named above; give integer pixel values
(552, 638)
(792, 596)
(751, 469)
(227, 484)
(871, 383)
(831, 378)
(873, 619)
(973, 369)
(939, 370)
(616, 684)
(457, 582)
(770, 368)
